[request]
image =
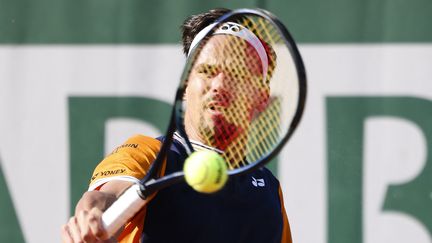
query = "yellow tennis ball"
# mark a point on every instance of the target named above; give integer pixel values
(205, 171)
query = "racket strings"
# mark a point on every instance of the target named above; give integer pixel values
(265, 131)
(269, 36)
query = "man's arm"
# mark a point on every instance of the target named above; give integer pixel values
(128, 162)
(86, 224)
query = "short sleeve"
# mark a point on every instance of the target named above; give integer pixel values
(130, 161)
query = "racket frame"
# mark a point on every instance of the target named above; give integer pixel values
(301, 73)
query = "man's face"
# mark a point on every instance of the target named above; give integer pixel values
(225, 89)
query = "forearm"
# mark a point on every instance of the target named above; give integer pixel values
(103, 197)
(86, 224)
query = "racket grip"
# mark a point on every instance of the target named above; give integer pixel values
(123, 209)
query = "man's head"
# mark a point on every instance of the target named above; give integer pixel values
(228, 82)
(196, 23)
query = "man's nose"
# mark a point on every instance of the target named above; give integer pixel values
(220, 82)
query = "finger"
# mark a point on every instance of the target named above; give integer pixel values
(66, 237)
(95, 224)
(85, 232)
(74, 230)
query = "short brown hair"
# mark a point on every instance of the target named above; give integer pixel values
(195, 23)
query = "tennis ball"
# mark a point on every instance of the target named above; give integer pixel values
(205, 171)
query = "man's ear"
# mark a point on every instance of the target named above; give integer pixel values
(262, 101)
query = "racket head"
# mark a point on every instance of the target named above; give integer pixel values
(243, 88)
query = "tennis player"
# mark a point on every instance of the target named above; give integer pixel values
(249, 208)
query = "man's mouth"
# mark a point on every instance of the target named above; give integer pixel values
(218, 103)
(215, 107)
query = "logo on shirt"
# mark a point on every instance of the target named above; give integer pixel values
(108, 173)
(258, 182)
(128, 145)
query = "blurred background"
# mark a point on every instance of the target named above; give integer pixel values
(77, 78)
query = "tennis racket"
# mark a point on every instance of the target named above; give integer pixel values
(245, 88)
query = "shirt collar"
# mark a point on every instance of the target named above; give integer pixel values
(196, 145)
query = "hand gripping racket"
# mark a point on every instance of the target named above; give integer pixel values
(242, 91)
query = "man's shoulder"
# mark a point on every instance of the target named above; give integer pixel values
(267, 172)
(266, 175)
(140, 138)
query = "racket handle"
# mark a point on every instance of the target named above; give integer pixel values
(123, 209)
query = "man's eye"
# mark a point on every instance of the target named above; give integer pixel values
(250, 80)
(208, 71)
